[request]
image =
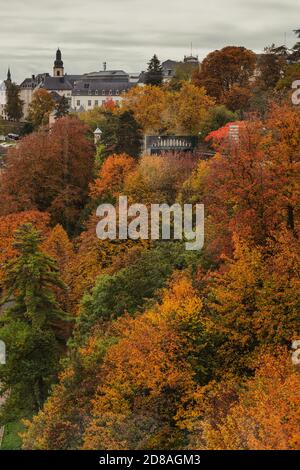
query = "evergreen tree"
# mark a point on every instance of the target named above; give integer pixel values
(129, 135)
(121, 134)
(154, 74)
(62, 108)
(295, 55)
(14, 105)
(109, 137)
(30, 327)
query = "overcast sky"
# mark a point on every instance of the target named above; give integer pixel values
(126, 33)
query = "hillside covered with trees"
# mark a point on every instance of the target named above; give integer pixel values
(140, 344)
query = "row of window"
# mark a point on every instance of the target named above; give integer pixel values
(104, 92)
(96, 102)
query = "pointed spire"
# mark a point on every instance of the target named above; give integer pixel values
(8, 75)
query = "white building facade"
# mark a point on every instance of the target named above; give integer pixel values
(84, 92)
(2, 99)
(3, 94)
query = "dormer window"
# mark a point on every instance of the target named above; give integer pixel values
(110, 92)
(96, 92)
(103, 92)
(117, 93)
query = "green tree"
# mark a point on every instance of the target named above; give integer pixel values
(295, 55)
(14, 105)
(292, 73)
(183, 73)
(62, 108)
(121, 134)
(133, 287)
(109, 136)
(154, 74)
(31, 326)
(129, 135)
(218, 116)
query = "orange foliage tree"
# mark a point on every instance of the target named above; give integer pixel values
(112, 175)
(113, 394)
(224, 68)
(251, 186)
(50, 172)
(254, 300)
(267, 414)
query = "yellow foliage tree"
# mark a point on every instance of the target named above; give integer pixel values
(188, 109)
(267, 414)
(148, 104)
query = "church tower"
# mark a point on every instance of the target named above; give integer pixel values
(58, 69)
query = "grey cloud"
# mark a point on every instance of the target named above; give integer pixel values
(126, 33)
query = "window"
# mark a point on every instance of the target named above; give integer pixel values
(89, 102)
(96, 103)
(96, 92)
(110, 92)
(103, 92)
(117, 93)
(78, 102)
(86, 85)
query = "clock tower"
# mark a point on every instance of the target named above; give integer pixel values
(58, 69)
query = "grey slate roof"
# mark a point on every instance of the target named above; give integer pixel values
(142, 77)
(108, 75)
(33, 81)
(100, 87)
(56, 83)
(170, 64)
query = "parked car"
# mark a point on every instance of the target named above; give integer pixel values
(13, 136)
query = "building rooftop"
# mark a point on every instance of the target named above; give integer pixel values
(56, 83)
(100, 87)
(109, 75)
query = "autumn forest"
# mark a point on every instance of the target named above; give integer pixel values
(141, 344)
